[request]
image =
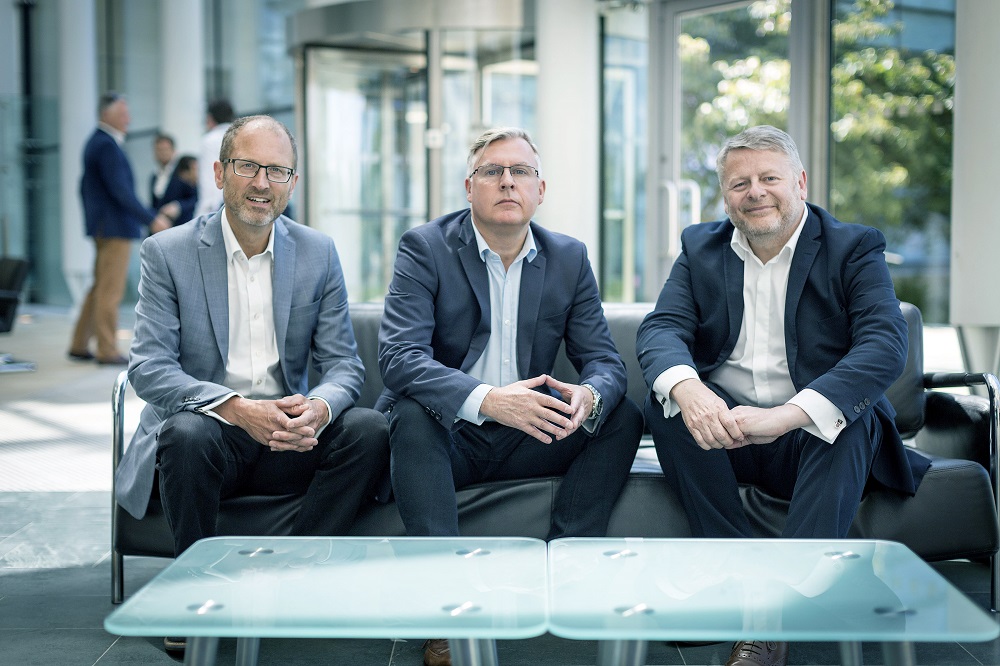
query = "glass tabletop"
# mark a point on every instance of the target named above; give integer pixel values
(754, 589)
(344, 587)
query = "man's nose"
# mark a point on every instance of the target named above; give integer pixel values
(756, 190)
(506, 179)
(260, 179)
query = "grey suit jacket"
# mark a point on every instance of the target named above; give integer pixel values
(178, 357)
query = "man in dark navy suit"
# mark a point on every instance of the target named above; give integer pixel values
(114, 217)
(480, 301)
(768, 355)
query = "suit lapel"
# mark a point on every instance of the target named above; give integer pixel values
(802, 261)
(282, 282)
(475, 272)
(529, 302)
(732, 268)
(214, 272)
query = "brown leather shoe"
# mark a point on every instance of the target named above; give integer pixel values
(758, 653)
(437, 652)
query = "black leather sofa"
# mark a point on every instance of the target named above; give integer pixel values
(953, 514)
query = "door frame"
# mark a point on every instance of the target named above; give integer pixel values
(808, 119)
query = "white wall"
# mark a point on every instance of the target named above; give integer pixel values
(975, 226)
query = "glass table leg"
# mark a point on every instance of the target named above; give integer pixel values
(473, 651)
(201, 651)
(899, 654)
(621, 653)
(850, 653)
(247, 651)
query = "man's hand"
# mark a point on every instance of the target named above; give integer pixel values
(707, 416)
(764, 425)
(159, 223)
(535, 413)
(268, 423)
(580, 399)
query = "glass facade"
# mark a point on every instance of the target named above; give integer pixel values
(369, 156)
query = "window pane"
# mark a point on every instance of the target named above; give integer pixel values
(891, 144)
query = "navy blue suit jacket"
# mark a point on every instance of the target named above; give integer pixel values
(437, 318)
(845, 335)
(185, 194)
(111, 208)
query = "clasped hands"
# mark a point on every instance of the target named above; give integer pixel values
(285, 424)
(715, 426)
(539, 414)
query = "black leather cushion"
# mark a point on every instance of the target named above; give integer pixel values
(907, 393)
(952, 515)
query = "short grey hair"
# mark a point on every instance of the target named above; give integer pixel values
(762, 137)
(499, 134)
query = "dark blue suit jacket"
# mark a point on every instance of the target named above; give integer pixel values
(185, 194)
(437, 318)
(111, 208)
(844, 332)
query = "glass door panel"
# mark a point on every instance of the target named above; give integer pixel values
(366, 115)
(722, 67)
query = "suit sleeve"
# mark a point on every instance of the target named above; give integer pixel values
(406, 357)
(589, 345)
(155, 369)
(334, 350)
(117, 180)
(875, 327)
(667, 334)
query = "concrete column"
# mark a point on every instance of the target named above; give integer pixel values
(568, 134)
(182, 58)
(975, 235)
(77, 119)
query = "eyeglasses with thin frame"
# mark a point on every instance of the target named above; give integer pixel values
(494, 172)
(248, 169)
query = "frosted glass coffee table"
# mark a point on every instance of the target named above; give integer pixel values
(625, 592)
(468, 590)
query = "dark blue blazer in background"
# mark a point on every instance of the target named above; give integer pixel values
(111, 208)
(185, 194)
(437, 318)
(845, 335)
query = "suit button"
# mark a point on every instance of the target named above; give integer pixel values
(857, 410)
(867, 402)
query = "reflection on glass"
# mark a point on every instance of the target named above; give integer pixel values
(489, 81)
(893, 79)
(366, 117)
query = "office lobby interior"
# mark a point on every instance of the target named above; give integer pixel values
(889, 102)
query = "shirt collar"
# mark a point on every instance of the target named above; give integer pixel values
(233, 248)
(528, 250)
(741, 246)
(117, 135)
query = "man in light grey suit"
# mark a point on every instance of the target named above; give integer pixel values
(233, 309)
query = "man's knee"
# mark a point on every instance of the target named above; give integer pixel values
(410, 423)
(368, 427)
(184, 430)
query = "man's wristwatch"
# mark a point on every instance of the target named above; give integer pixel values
(598, 402)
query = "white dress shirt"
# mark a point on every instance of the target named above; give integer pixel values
(756, 373)
(253, 366)
(498, 364)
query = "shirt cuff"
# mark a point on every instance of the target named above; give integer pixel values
(470, 408)
(207, 409)
(329, 414)
(827, 420)
(666, 382)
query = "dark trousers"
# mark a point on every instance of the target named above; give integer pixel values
(824, 482)
(429, 464)
(201, 461)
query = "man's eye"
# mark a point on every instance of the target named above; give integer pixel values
(492, 171)
(519, 171)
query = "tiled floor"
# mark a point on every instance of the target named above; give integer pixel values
(55, 504)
